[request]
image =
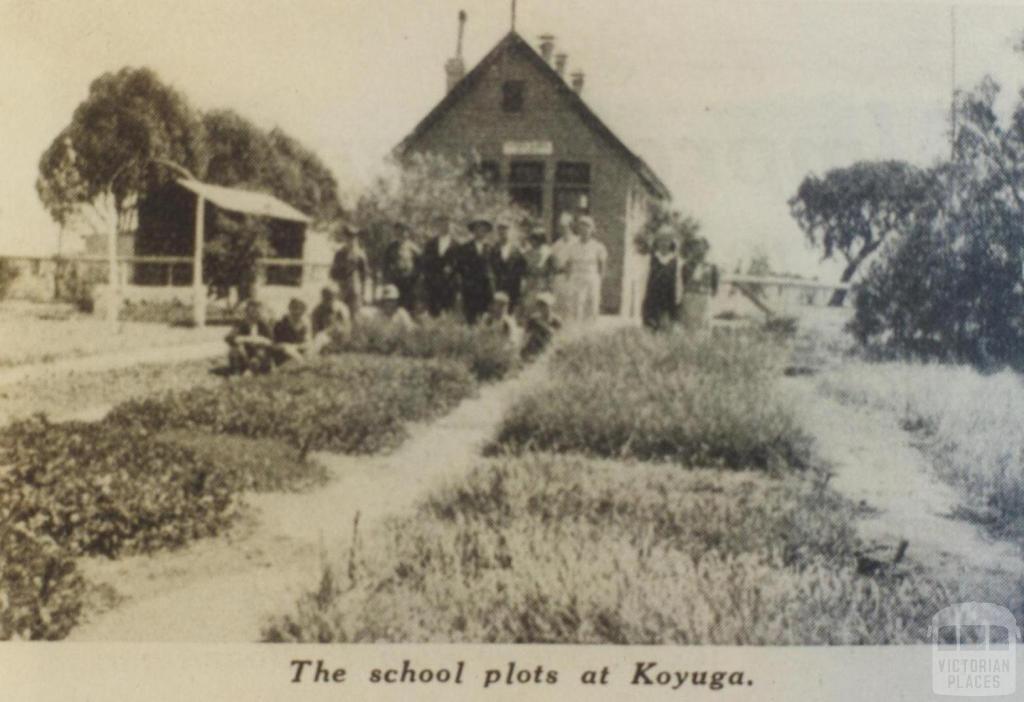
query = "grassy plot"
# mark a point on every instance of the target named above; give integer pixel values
(591, 544)
(350, 404)
(486, 354)
(967, 423)
(701, 402)
(544, 548)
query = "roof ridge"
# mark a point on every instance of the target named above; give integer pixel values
(513, 38)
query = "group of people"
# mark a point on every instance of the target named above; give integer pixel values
(517, 283)
(456, 273)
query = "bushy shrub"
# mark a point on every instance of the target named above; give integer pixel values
(262, 465)
(487, 354)
(351, 404)
(567, 550)
(103, 490)
(40, 587)
(630, 394)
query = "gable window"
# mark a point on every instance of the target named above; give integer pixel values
(513, 94)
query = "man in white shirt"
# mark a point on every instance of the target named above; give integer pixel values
(586, 262)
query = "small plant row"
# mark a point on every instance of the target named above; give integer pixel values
(631, 394)
(486, 353)
(158, 473)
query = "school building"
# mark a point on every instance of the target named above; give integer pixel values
(537, 137)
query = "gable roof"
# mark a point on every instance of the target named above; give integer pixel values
(245, 201)
(513, 41)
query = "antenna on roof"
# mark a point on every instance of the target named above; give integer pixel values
(513, 15)
(462, 29)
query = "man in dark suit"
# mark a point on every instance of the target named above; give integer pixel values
(439, 268)
(475, 271)
(401, 265)
(508, 265)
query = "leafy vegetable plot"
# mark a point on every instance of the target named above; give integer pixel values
(351, 404)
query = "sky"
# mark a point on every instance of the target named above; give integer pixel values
(731, 102)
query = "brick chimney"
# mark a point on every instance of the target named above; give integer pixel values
(577, 82)
(455, 68)
(547, 46)
(560, 61)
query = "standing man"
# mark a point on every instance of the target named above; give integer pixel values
(509, 266)
(475, 271)
(439, 268)
(587, 260)
(401, 265)
(350, 269)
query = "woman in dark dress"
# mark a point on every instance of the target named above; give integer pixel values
(664, 293)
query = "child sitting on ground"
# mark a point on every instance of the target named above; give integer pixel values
(250, 342)
(541, 327)
(291, 334)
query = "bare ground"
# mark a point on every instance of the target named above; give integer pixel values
(875, 464)
(223, 590)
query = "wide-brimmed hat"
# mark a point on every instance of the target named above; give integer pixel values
(480, 224)
(665, 231)
(388, 293)
(501, 296)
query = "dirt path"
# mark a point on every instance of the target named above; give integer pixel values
(222, 590)
(876, 466)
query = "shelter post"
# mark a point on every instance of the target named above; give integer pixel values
(198, 290)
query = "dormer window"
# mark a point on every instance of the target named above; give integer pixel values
(513, 93)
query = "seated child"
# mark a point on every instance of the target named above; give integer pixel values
(322, 314)
(337, 330)
(499, 319)
(291, 334)
(249, 343)
(541, 327)
(387, 308)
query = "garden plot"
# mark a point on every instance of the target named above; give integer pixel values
(657, 489)
(159, 473)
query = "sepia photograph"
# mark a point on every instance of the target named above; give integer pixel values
(501, 322)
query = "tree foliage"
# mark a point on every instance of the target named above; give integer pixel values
(851, 212)
(103, 161)
(951, 289)
(422, 187)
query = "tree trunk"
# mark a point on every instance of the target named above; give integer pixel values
(839, 296)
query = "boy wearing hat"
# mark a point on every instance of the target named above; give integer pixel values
(477, 279)
(390, 309)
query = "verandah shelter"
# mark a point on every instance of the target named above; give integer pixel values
(177, 220)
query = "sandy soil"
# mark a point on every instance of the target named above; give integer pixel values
(223, 590)
(26, 338)
(875, 464)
